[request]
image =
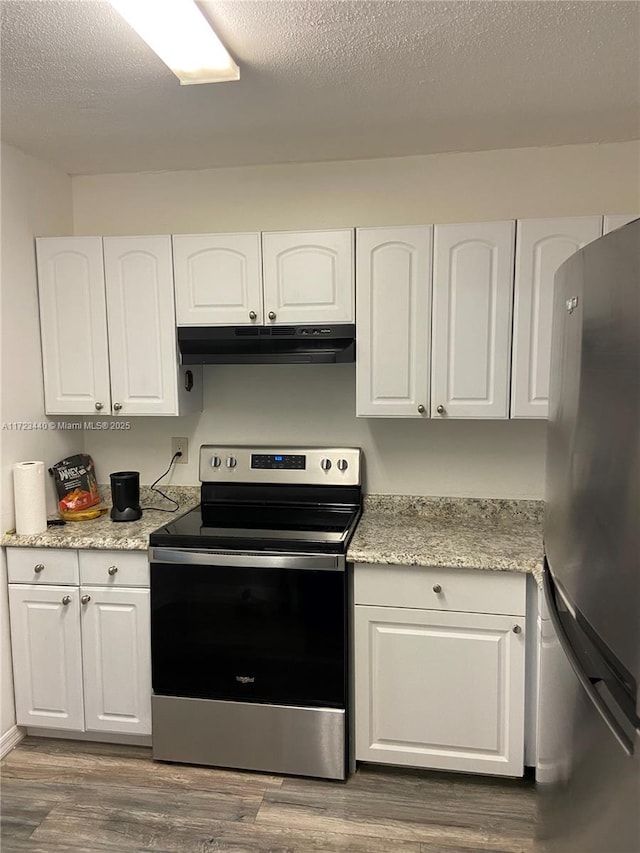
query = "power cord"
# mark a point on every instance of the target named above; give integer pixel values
(153, 488)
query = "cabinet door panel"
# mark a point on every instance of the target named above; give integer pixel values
(47, 657)
(393, 300)
(472, 303)
(440, 690)
(611, 221)
(117, 660)
(542, 246)
(308, 276)
(218, 279)
(73, 325)
(142, 336)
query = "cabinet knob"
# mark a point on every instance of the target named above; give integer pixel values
(99, 407)
(112, 570)
(66, 599)
(421, 409)
(517, 629)
(437, 588)
(440, 410)
(253, 315)
(272, 315)
(117, 407)
(39, 568)
(85, 599)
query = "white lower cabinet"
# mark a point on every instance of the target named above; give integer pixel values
(81, 654)
(439, 688)
(47, 656)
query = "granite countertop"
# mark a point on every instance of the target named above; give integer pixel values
(491, 535)
(485, 534)
(103, 533)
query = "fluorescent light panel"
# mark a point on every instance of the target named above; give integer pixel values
(182, 37)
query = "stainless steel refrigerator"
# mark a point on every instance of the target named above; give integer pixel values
(589, 727)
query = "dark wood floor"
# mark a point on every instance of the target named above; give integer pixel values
(71, 797)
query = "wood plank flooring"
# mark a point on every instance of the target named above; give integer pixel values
(61, 796)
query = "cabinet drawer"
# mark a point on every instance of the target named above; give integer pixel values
(430, 588)
(114, 568)
(42, 565)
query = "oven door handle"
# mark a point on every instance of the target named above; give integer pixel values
(188, 557)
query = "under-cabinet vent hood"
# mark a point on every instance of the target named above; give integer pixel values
(321, 344)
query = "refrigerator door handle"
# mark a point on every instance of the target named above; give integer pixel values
(588, 686)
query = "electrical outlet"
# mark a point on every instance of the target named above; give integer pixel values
(180, 445)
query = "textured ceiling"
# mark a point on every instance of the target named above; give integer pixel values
(320, 81)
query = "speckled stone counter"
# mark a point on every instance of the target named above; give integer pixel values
(104, 533)
(490, 535)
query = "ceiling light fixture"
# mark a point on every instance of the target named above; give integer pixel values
(182, 37)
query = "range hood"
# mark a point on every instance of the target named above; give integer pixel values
(321, 344)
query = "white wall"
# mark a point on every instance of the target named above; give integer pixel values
(35, 201)
(316, 403)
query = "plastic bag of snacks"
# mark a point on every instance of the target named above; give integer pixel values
(78, 496)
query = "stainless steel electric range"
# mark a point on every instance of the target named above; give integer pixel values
(249, 613)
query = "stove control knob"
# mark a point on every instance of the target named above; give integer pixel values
(342, 464)
(215, 461)
(231, 461)
(325, 464)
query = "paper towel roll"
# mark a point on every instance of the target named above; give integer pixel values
(30, 498)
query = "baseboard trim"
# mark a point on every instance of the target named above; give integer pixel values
(92, 737)
(10, 739)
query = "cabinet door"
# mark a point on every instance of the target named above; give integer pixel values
(393, 304)
(541, 246)
(308, 276)
(73, 325)
(117, 660)
(440, 690)
(472, 302)
(218, 279)
(611, 221)
(47, 656)
(142, 335)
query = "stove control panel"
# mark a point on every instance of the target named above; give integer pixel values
(304, 465)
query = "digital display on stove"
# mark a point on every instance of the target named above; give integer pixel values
(278, 461)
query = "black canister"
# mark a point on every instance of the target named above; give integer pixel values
(125, 496)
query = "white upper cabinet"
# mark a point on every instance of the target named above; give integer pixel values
(73, 325)
(393, 317)
(218, 279)
(142, 336)
(542, 245)
(128, 365)
(611, 221)
(308, 276)
(471, 319)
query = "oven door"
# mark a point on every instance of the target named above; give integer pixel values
(249, 627)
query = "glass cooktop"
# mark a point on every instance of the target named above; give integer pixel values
(260, 527)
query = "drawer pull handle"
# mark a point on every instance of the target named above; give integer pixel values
(437, 588)
(112, 570)
(66, 599)
(517, 629)
(39, 568)
(85, 599)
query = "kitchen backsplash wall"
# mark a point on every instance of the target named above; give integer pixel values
(317, 403)
(293, 404)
